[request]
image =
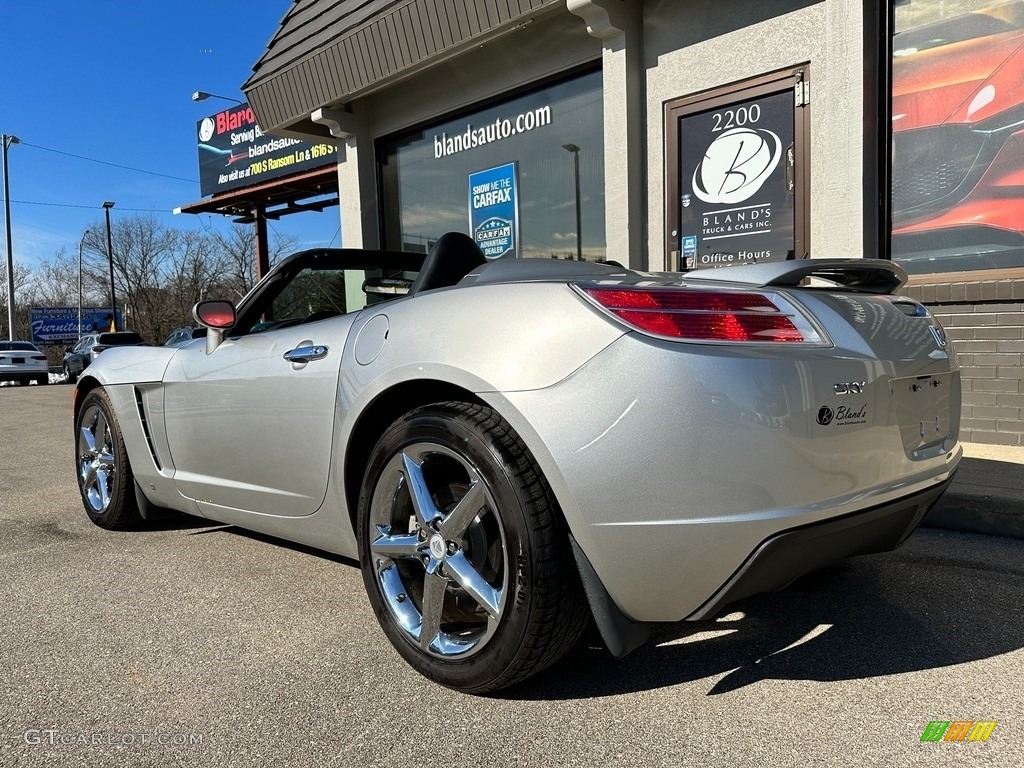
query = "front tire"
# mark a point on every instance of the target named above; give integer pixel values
(464, 553)
(105, 477)
(69, 377)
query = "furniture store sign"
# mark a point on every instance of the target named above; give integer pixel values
(494, 211)
(736, 183)
(59, 325)
(234, 152)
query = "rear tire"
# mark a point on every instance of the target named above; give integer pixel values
(464, 552)
(105, 477)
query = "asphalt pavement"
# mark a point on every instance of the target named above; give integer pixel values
(195, 644)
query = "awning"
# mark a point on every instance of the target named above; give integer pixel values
(325, 52)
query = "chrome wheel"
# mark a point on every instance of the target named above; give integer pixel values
(464, 554)
(438, 550)
(96, 464)
(104, 473)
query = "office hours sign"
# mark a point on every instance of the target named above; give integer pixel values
(736, 183)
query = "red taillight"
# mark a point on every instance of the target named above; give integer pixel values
(702, 315)
(38, 357)
(98, 348)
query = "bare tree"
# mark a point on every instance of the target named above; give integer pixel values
(237, 253)
(159, 272)
(143, 250)
(54, 283)
(22, 278)
(196, 273)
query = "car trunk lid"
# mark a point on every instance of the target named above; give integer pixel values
(877, 359)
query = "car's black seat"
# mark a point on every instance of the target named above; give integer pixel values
(451, 258)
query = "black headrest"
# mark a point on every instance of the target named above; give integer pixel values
(451, 258)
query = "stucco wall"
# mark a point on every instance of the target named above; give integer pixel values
(695, 46)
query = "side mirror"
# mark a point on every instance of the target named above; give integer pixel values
(214, 314)
(217, 317)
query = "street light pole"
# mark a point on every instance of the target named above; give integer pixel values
(576, 176)
(82, 240)
(110, 259)
(203, 96)
(7, 141)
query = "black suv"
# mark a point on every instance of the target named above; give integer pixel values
(85, 351)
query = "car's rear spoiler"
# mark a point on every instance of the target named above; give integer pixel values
(861, 275)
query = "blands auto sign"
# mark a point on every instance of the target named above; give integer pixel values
(234, 152)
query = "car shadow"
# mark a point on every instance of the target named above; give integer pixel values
(933, 603)
(212, 527)
(178, 522)
(867, 617)
(174, 521)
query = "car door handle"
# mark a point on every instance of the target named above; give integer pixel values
(305, 354)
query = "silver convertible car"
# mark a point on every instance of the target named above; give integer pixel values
(515, 448)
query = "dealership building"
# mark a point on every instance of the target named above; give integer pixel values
(677, 134)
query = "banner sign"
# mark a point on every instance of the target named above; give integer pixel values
(59, 325)
(736, 183)
(494, 211)
(234, 152)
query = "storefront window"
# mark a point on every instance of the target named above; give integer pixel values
(524, 178)
(958, 135)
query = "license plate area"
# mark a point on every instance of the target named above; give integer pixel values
(18, 360)
(923, 411)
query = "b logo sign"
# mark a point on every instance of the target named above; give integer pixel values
(736, 164)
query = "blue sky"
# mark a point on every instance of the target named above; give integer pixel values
(112, 80)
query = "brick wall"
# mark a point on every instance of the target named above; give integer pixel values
(986, 322)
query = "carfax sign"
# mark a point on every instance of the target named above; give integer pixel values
(494, 211)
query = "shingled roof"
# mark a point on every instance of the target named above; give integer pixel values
(327, 52)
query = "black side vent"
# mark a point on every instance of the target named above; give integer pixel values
(145, 426)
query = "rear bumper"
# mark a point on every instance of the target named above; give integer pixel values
(787, 556)
(673, 469)
(23, 377)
